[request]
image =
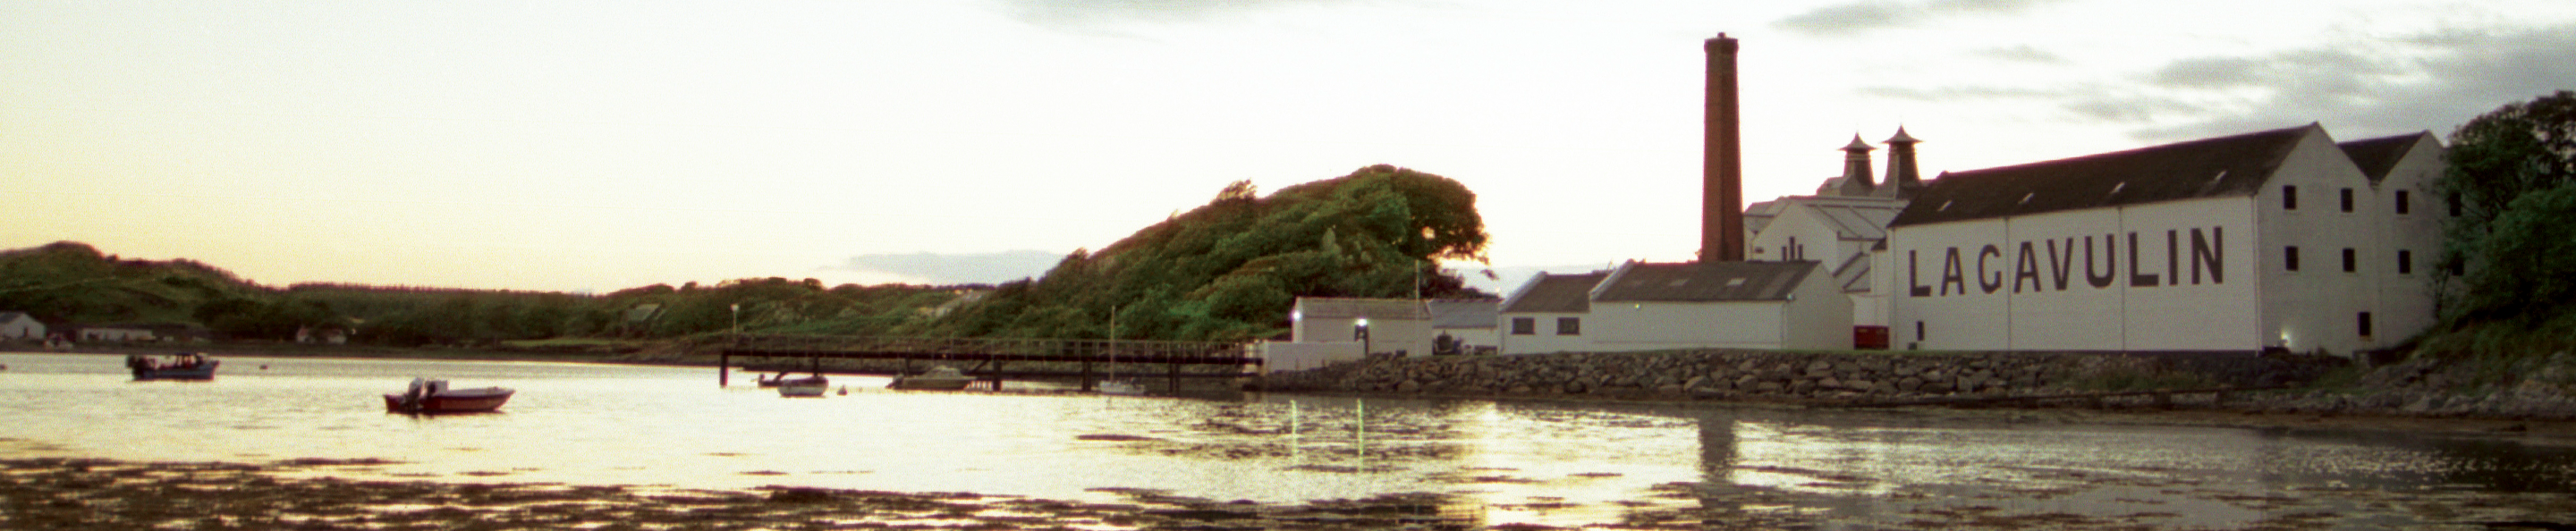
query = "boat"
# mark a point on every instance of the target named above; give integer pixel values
(1117, 387)
(810, 386)
(940, 378)
(770, 380)
(181, 366)
(433, 396)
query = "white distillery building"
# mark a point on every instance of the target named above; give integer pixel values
(1660, 306)
(1844, 226)
(2275, 239)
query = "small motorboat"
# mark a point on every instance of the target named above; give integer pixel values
(433, 396)
(1117, 387)
(810, 386)
(181, 366)
(940, 378)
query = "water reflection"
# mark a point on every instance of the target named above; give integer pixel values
(1460, 461)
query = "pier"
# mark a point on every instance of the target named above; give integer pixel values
(991, 359)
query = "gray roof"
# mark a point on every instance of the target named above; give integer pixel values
(1548, 293)
(1463, 313)
(1341, 308)
(2376, 156)
(2213, 167)
(1704, 281)
(11, 316)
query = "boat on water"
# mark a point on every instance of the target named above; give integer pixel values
(940, 378)
(181, 366)
(1117, 387)
(434, 396)
(769, 381)
(810, 386)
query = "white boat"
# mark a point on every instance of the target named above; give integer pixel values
(940, 378)
(1117, 387)
(811, 386)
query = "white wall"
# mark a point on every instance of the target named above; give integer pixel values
(1278, 357)
(2317, 307)
(1818, 315)
(2156, 289)
(1413, 336)
(1632, 326)
(23, 328)
(2406, 300)
(1544, 338)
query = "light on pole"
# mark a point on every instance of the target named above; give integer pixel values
(737, 322)
(1362, 331)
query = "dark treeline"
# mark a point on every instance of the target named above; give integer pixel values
(1228, 270)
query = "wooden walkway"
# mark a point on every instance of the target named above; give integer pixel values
(2162, 398)
(987, 359)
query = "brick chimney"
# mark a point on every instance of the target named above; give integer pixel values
(1721, 237)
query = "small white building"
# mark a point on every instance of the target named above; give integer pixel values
(1471, 323)
(1546, 314)
(1382, 326)
(19, 325)
(2274, 239)
(1756, 305)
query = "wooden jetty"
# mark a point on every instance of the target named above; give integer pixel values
(989, 359)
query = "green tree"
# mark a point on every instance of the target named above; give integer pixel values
(2512, 174)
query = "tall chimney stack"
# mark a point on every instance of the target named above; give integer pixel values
(1721, 237)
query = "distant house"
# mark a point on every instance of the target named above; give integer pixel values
(1546, 314)
(1469, 323)
(19, 325)
(327, 334)
(1325, 329)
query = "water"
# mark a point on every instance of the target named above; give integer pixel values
(1506, 462)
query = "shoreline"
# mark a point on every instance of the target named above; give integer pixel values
(2280, 409)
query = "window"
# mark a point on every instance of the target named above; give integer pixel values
(2364, 321)
(2347, 199)
(2405, 262)
(2401, 201)
(2350, 265)
(1918, 330)
(2459, 267)
(2455, 206)
(1569, 326)
(1522, 326)
(2289, 198)
(2290, 258)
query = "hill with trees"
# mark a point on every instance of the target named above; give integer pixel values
(1228, 270)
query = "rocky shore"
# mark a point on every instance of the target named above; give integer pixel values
(2537, 388)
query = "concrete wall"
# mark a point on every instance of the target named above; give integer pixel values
(1413, 336)
(1818, 315)
(1280, 357)
(1632, 326)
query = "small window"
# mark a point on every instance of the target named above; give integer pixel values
(1918, 330)
(1523, 326)
(2401, 202)
(2350, 264)
(2289, 198)
(2455, 206)
(2347, 199)
(2290, 258)
(2364, 321)
(1569, 326)
(2405, 262)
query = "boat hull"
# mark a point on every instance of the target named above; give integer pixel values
(804, 387)
(195, 373)
(458, 401)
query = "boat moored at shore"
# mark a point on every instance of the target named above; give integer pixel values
(433, 396)
(940, 378)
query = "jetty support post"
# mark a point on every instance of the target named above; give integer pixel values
(724, 364)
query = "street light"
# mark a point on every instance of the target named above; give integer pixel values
(737, 322)
(1362, 332)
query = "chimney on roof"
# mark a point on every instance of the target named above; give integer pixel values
(1856, 180)
(1721, 237)
(1903, 179)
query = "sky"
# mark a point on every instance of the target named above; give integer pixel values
(596, 146)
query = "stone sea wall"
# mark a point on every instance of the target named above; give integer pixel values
(1799, 376)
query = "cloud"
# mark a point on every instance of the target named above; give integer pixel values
(939, 269)
(1858, 17)
(2357, 87)
(1087, 14)
(2430, 81)
(2023, 53)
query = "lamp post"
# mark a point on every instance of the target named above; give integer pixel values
(1363, 332)
(737, 322)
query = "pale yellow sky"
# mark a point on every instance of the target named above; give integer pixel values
(599, 146)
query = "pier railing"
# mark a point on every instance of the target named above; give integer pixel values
(981, 349)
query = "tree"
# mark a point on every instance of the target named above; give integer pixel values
(2512, 174)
